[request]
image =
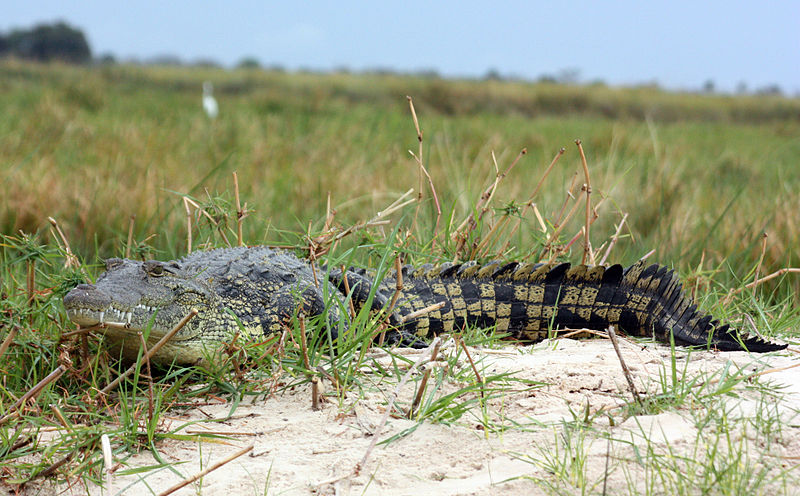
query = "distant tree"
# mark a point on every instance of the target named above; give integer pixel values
(569, 75)
(165, 60)
(4, 47)
(770, 90)
(741, 88)
(47, 42)
(249, 63)
(207, 63)
(547, 78)
(709, 86)
(428, 74)
(106, 59)
(493, 75)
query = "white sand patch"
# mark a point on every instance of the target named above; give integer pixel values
(299, 451)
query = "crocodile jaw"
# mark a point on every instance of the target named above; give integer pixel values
(110, 315)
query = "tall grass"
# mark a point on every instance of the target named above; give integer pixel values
(94, 147)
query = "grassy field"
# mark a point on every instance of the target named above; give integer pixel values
(697, 178)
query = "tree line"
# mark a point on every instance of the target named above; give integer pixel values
(47, 42)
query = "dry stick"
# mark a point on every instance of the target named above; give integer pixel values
(314, 378)
(433, 346)
(560, 227)
(186, 202)
(398, 288)
(777, 273)
(82, 330)
(9, 339)
(423, 311)
(546, 173)
(495, 231)
(52, 468)
(34, 391)
(206, 471)
(613, 336)
(312, 254)
(239, 212)
(130, 237)
(730, 294)
(530, 204)
(570, 333)
(422, 168)
(146, 357)
(329, 214)
(582, 230)
(587, 246)
(346, 283)
(472, 364)
(418, 157)
(60, 416)
(329, 238)
(749, 376)
(648, 254)
(488, 194)
(483, 203)
(423, 383)
(761, 258)
(222, 433)
(71, 259)
(614, 239)
(570, 194)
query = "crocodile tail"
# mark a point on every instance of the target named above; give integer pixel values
(649, 299)
(670, 310)
(642, 300)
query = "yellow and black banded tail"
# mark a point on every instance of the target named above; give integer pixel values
(529, 300)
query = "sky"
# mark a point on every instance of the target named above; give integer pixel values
(678, 44)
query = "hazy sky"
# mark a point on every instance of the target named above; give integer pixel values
(681, 44)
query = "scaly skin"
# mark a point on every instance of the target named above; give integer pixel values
(253, 291)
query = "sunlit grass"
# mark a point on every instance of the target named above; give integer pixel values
(94, 147)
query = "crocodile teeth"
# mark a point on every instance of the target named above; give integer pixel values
(102, 317)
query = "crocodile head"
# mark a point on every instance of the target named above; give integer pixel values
(151, 297)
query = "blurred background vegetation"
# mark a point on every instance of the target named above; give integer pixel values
(701, 176)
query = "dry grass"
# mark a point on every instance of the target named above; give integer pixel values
(93, 147)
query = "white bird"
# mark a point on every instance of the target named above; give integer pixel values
(209, 103)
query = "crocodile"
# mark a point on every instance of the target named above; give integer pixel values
(253, 291)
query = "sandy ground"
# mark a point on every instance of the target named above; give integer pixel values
(297, 451)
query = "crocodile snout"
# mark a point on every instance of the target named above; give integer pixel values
(86, 296)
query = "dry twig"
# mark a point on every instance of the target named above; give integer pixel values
(423, 170)
(613, 336)
(146, 357)
(423, 383)
(33, 392)
(130, 237)
(588, 256)
(206, 471)
(433, 346)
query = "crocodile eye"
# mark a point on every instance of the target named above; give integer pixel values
(113, 263)
(154, 268)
